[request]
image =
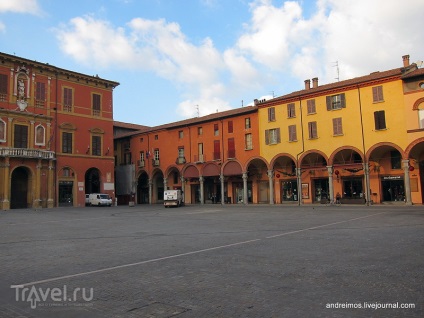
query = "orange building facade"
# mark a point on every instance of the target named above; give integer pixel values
(56, 135)
(212, 159)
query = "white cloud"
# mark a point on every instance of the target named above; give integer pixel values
(20, 6)
(2, 27)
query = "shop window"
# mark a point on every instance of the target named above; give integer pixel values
(352, 188)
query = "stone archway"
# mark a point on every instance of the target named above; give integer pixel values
(20, 188)
(92, 181)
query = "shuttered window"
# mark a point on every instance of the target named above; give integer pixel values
(377, 94)
(96, 105)
(336, 101)
(216, 150)
(231, 148)
(40, 94)
(3, 88)
(20, 136)
(272, 136)
(230, 127)
(67, 99)
(312, 129)
(66, 142)
(380, 120)
(292, 133)
(337, 126)
(271, 114)
(96, 145)
(311, 106)
(291, 112)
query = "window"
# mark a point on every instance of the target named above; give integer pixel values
(40, 94)
(247, 123)
(271, 114)
(141, 139)
(230, 127)
(67, 142)
(67, 99)
(272, 136)
(180, 152)
(380, 120)
(200, 152)
(395, 159)
(156, 154)
(248, 145)
(292, 133)
(20, 136)
(216, 150)
(96, 105)
(181, 134)
(291, 112)
(40, 135)
(215, 130)
(421, 118)
(311, 106)
(200, 131)
(336, 102)
(337, 126)
(377, 94)
(142, 156)
(156, 137)
(312, 129)
(3, 87)
(96, 145)
(2, 130)
(231, 148)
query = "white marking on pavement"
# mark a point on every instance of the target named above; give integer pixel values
(185, 254)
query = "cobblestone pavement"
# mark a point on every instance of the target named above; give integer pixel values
(212, 261)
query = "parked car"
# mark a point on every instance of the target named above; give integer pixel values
(172, 198)
(100, 199)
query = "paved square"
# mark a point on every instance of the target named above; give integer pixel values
(212, 261)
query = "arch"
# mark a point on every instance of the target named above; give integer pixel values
(256, 159)
(171, 169)
(410, 149)
(143, 187)
(383, 145)
(315, 159)
(3, 129)
(40, 135)
(191, 171)
(346, 155)
(211, 170)
(20, 187)
(232, 168)
(417, 103)
(92, 181)
(96, 130)
(277, 159)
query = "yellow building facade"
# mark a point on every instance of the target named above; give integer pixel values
(361, 140)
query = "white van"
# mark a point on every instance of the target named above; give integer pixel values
(172, 198)
(100, 199)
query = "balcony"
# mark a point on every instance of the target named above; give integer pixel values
(26, 153)
(199, 158)
(155, 162)
(180, 160)
(141, 163)
(216, 155)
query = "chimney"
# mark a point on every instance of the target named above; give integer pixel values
(255, 102)
(307, 84)
(405, 60)
(315, 82)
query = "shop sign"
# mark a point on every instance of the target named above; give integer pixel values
(392, 178)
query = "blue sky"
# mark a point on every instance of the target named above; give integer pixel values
(173, 57)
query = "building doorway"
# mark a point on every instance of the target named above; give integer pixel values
(66, 197)
(19, 189)
(393, 189)
(321, 190)
(92, 181)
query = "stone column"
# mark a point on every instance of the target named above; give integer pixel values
(367, 183)
(50, 185)
(37, 184)
(182, 189)
(271, 186)
(165, 184)
(150, 190)
(405, 166)
(222, 179)
(245, 197)
(202, 199)
(330, 183)
(6, 184)
(299, 185)
(31, 135)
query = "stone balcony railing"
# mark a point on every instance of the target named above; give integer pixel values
(26, 153)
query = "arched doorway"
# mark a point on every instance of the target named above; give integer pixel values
(143, 188)
(19, 188)
(92, 181)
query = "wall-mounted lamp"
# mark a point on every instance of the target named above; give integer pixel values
(337, 173)
(88, 149)
(107, 152)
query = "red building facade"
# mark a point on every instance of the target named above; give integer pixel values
(56, 135)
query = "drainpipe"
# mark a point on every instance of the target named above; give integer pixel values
(55, 142)
(298, 169)
(366, 166)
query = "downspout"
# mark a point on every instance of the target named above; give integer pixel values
(298, 171)
(366, 168)
(55, 141)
